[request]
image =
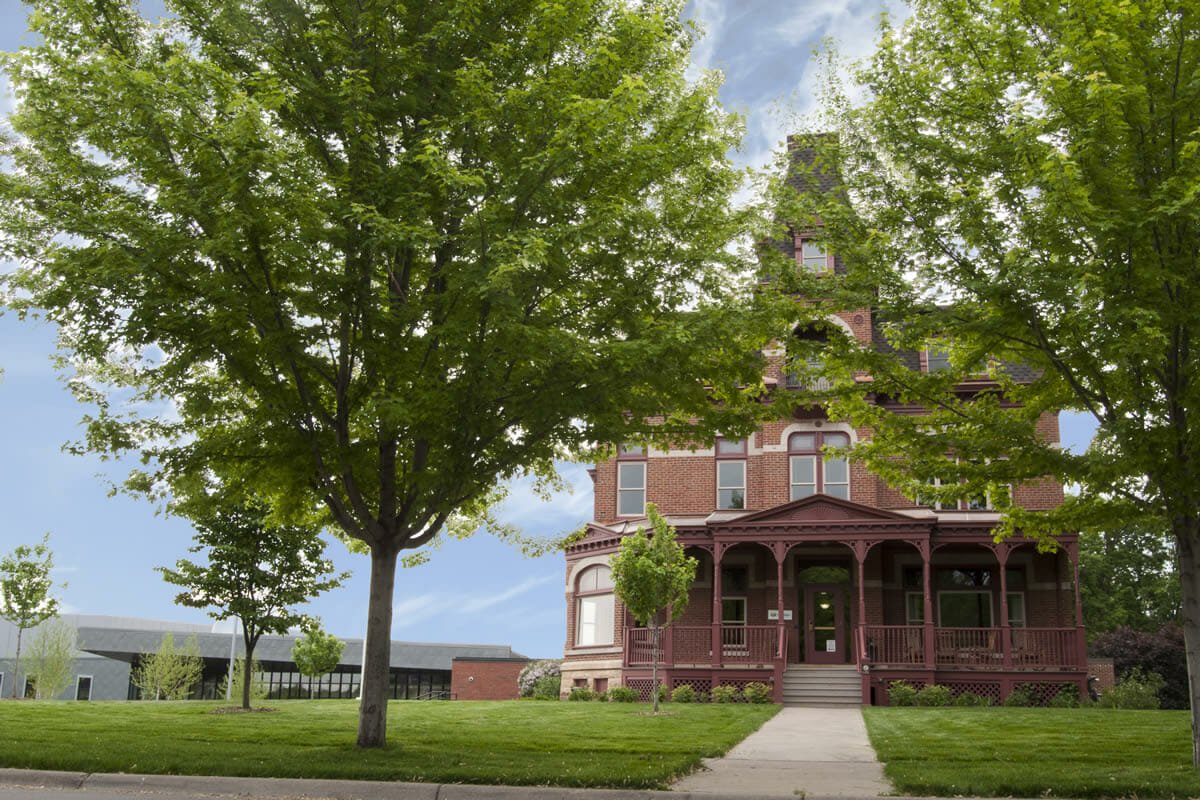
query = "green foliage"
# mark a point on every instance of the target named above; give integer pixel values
(1137, 690)
(582, 693)
(376, 256)
(652, 576)
(622, 694)
(256, 571)
(1128, 579)
(757, 692)
(1066, 697)
(1022, 696)
(170, 673)
(934, 694)
(725, 694)
(684, 693)
(52, 659)
(25, 586)
(902, 693)
(317, 654)
(662, 693)
(534, 671)
(970, 699)
(547, 687)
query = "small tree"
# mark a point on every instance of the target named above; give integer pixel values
(52, 658)
(256, 572)
(25, 586)
(170, 673)
(652, 576)
(316, 654)
(256, 686)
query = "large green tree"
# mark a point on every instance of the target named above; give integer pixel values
(1128, 580)
(254, 570)
(25, 586)
(1019, 189)
(652, 576)
(378, 257)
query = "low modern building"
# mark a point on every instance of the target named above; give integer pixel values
(109, 648)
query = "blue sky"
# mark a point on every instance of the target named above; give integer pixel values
(474, 591)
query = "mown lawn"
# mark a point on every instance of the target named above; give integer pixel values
(1035, 752)
(516, 743)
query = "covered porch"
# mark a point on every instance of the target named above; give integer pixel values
(826, 582)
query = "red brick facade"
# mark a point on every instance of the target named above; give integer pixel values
(485, 678)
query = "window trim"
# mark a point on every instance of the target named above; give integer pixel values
(927, 359)
(582, 595)
(911, 619)
(819, 458)
(621, 467)
(737, 456)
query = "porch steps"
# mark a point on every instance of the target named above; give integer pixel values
(822, 685)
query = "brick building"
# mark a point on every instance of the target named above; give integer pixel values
(817, 577)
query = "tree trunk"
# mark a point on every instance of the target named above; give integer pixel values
(17, 663)
(247, 674)
(372, 713)
(1187, 540)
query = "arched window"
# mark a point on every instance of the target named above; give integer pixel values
(594, 607)
(814, 472)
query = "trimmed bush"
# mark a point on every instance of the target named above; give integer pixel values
(583, 693)
(533, 672)
(1138, 690)
(970, 700)
(1161, 652)
(663, 694)
(934, 695)
(1021, 697)
(684, 693)
(902, 693)
(548, 687)
(1067, 697)
(726, 694)
(757, 692)
(622, 694)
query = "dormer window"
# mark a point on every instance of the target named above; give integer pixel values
(937, 359)
(813, 257)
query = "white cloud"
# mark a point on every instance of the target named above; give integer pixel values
(418, 609)
(479, 603)
(710, 17)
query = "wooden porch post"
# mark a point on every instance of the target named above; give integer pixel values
(861, 549)
(718, 552)
(926, 549)
(1002, 550)
(780, 550)
(1080, 638)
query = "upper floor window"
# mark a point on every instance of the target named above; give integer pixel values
(937, 359)
(983, 501)
(594, 607)
(813, 257)
(814, 472)
(631, 480)
(731, 473)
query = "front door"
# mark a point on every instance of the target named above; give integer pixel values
(825, 637)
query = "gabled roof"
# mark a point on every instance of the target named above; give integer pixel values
(823, 508)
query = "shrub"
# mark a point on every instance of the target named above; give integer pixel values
(663, 694)
(533, 672)
(725, 694)
(757, 692)
(1161, 652)
(683, 693)
(902, 693)
(1138, 690)
(548, 687)
(1067, 697)
(582, 693)
(622, 694)
(970, 699)
(1021, 697)
(934, 695)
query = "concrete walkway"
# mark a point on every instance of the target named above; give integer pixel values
(800, 752)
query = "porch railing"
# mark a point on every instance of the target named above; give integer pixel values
(692, 644)
(895, 644)
(1045, 647)
(969, 647)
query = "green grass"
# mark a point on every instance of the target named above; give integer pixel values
(1035, 752)
(516, 743)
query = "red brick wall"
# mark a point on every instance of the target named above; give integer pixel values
(472, 679)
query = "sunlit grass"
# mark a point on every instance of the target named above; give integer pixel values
(517, 743)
